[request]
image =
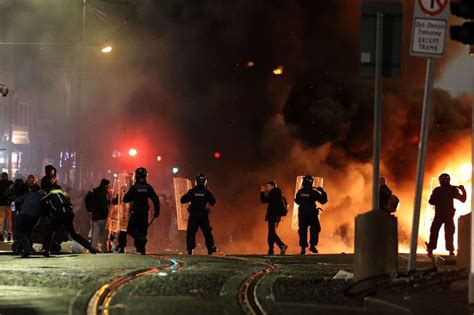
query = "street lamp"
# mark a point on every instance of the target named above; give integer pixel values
(107, 49)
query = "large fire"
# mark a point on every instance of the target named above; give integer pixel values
(460, 172)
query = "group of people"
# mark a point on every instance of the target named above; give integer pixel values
(48, 202)
(308, 214)
(33, 203)
(442, 199)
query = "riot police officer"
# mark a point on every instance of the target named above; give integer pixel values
(138, 195)
(308, 213)
(442, 199)
(199, 197)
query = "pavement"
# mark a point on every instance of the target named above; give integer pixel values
(201, 284)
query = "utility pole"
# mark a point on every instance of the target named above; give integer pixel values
(78, 143)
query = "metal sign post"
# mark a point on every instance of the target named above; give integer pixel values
(430, 22)
(377, 111)
(420, 168)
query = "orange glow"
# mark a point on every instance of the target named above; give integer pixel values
(250, 64)
(278, 70)
(132, 152)
(459, 168)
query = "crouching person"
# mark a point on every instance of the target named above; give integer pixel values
(58, 208)
(28, 217)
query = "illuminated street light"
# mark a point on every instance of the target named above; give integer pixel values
(132, 152)
(175, 170)
(158, 158)
(278, 70)
(107, 49)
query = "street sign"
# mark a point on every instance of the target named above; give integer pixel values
(430, 23)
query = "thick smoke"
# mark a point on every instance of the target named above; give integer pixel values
(177, 85)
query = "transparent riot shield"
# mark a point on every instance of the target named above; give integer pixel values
(181, 187)
(119, 213)
(318, 182)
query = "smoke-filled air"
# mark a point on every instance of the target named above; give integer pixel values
(241, 91)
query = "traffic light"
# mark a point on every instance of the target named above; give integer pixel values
(463, 33)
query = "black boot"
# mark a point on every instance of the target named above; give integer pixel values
(211, 250)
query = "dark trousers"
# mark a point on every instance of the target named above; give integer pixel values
(194, 223)
(138, 229)
(66, 220)
(311, 222)
(25, 225)
(449, 229)
(273, 236)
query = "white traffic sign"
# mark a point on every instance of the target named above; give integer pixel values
(430, 24)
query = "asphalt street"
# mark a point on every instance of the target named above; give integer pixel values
(181, 284)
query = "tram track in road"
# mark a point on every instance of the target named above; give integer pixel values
(100, 301)
(247, 294)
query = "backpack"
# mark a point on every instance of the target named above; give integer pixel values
(89, 200)
(284, 209)
(392, 203)
(57, 204)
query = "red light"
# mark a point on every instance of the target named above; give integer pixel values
(217, 155)
(132, 152)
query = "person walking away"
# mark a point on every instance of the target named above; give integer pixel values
(5, 185)
(97, 203)
(57, 206)
(442, 199)
(308, 213)
(277, 207)
(138, 196)
(199, 197)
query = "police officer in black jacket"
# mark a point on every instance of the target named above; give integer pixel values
(199, 197)
(138, 195)
(272, 195)
(308, 213)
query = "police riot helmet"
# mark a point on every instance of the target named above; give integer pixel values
(444, 179)
(141, 173)
(308, 181)
(201, 179)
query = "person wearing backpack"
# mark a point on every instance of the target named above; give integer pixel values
(97, 203)
(58, 208)
(277, 207)
(308, 213)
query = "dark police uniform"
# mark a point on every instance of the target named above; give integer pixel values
(199, 197)
(442, 198)
(308, 213)
(138, 195)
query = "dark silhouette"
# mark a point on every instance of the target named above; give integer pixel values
(442, 198)
(138, 195)
(272, 195)
(199, 197)
(308, 213)
(57, 206)
(97, 203)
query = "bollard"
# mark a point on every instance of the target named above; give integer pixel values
(464, 240)
(376, 244)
